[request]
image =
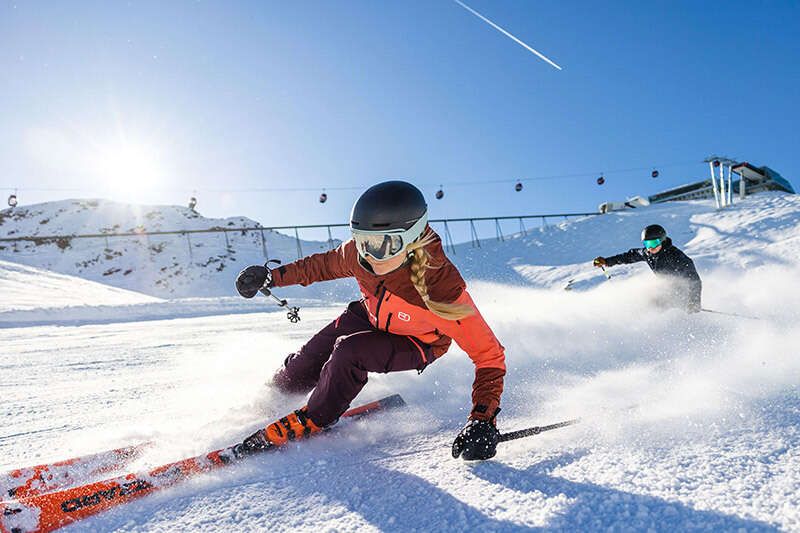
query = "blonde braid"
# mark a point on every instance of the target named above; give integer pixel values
(419, 265)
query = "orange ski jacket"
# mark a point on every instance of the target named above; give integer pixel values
(395, 306)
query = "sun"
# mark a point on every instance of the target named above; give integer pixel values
(129, 167)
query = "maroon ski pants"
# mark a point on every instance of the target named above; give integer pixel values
(335, 362)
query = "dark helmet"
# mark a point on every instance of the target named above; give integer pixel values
(390, 205)
(654, 231)
(396, 208)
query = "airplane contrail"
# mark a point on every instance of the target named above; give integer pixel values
(504, 32)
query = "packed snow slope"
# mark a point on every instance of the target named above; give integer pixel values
(164, 266)
(25, 288)
(31, 296)
(690, 422)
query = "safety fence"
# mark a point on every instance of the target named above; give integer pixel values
(64, 241)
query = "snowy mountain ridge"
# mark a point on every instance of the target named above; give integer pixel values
(759, 231)
(164, 266)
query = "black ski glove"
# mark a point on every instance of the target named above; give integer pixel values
(252, 279)
(476, 441)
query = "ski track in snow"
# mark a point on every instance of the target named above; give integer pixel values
(690, 423)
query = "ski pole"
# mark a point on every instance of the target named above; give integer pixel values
(730, 314)
(535, 430)
(568, 286)
(293, 313)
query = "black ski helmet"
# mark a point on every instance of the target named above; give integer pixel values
(387, 218)
(654, 231)
(391, 205)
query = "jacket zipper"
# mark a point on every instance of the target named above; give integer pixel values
(388, 319)
(421, 353)
(378, 309)
(378, 288)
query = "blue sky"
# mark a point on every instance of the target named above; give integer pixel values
(150, 101)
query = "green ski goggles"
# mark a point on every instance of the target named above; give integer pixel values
(652, 243)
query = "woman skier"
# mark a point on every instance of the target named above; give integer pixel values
(414, 303)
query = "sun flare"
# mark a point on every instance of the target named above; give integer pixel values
(129, 167)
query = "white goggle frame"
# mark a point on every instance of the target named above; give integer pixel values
(385, 245)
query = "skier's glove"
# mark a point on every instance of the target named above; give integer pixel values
(476, 441)
(252, 279)
(599, 262)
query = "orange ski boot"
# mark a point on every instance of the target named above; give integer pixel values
(294, 426)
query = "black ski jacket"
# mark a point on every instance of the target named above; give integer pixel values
(671, 262)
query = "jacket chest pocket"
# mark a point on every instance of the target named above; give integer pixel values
(400, 317)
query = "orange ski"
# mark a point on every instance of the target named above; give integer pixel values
(47, 512)
(39, 479)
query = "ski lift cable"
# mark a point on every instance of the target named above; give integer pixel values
(577, 175)
(442, 185)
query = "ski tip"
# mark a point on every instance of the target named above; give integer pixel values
(389, 402)
(395, 400)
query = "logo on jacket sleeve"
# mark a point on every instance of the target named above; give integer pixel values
(405, 317)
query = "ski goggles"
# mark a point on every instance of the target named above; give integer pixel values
(652, 243)
(385, 245)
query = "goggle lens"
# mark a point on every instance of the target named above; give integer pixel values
(652, 243)
(379, 246)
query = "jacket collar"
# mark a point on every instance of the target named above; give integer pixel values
(366, 266)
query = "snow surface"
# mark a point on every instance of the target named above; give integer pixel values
(25, 288)
(689, 422)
